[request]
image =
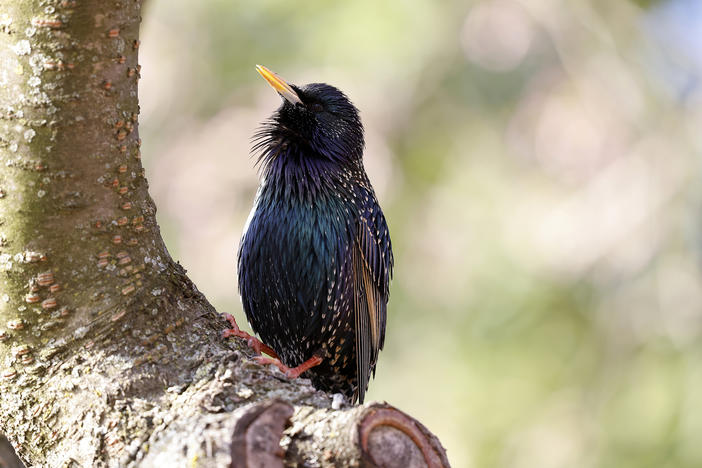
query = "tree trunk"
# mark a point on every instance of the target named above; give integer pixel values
(109, 355)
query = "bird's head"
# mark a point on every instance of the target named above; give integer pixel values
(317, 120)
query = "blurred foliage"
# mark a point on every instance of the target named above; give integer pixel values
(646, 3)
(538, 162)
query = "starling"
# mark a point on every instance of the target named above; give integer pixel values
(315, 259)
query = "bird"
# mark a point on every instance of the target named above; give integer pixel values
(315, 259)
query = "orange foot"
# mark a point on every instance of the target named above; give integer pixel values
(290, 372)
(254, 343)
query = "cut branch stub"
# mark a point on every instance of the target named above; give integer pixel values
(257, 434)
(389, 438)
(8, 457)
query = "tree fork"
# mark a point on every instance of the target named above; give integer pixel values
(109, 355)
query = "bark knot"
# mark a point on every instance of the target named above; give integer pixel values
(257, 434)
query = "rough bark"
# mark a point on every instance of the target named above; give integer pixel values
(109, 355)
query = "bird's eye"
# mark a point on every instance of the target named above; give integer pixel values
(317, 107)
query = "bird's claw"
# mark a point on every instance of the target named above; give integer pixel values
(260, 347)
(264, 361)
(252, 342)
(289, 372)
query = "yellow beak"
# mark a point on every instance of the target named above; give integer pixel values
(277, 83)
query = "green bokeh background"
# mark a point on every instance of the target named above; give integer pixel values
(538, 163)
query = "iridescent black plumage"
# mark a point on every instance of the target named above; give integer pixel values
(315, 260)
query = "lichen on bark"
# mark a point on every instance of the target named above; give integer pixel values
(81, 254)
(72, 185)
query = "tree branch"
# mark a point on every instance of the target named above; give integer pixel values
(109, 355)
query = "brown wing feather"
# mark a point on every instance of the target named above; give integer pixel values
(369, 308)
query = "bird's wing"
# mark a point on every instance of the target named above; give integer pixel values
(372, 267)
